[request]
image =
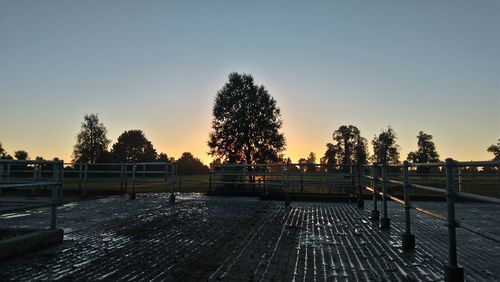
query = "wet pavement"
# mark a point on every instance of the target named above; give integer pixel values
(201, 238)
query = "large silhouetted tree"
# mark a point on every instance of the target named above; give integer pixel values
(351, 147)
(385, 149)
(91, 141)
(133, 146)
(21, 155)
(426, 152)
(495, 150)
(246, 125)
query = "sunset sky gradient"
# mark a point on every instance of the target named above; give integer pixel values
(157, 65)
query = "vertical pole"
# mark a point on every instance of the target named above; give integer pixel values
(61, 181)
(452, 271)
(408, 239)
(210, 178)
(375, 213)
(54, 199)
(385, 223)
(8, 172)
(143, 172)
(121, 177)
(287, 193)
(132, 194)
(1, 177)
(361, 186)
(80, 168)
(459, 179)
(301, 179)
(86, 178)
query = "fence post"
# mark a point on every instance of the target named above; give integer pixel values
(210, 177)
(1, 177)
(452, 271)
(361, 184)
(121, 177)
(86, 175)
(80, 168)
(407, 238)
(287, 193)
(459, 179)
(132, 194)
(61, 181)
(385, 222)
(375, 213)
(54, 198)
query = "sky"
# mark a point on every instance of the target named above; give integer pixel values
(430, 65)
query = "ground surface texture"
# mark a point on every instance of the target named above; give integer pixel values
(201, 238)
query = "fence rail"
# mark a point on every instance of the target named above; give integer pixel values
(53, 179)
(287, 177)
(378, 176)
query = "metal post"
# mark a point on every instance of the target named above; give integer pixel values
(351, 175)
(452, 271)
(132, 194)
(1, 176)
(54, 199)
(210, 178)
(375, 213)
(121, 177)
(143, 172)
(361, 186)
(301, 180)
(459, 179)
(61, 181)
(408, 239)
(287, 193)
(385, 222)
(80, 177)
(86, 175)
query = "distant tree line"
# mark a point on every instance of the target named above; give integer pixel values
(131, 146)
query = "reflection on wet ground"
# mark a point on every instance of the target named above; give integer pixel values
(231, 238)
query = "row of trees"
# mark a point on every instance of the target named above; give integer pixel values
(18, 155)
(131, 146)
(246, 128)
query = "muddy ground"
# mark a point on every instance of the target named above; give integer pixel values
(201, 238)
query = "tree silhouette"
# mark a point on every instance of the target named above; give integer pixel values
(426, 152)
(330, 156)
(133, 146)
(91, 141)
(495, 149)
(162, 157)
(3, 153)
(21, 155)
(187, 164)
(351, 147)
(385, 149)
(246, 123)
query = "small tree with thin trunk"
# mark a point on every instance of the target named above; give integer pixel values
(91, 141)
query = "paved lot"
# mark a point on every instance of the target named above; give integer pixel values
(244, 239)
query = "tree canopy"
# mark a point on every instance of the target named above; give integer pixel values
(247, 122)
(351, 147)
(187, 164)
(426, 152)
(3, 153)
(133, 146)
(385, 149)
(21, 155)
(495, 150)
(91, 141)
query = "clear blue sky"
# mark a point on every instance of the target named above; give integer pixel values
(156, 65)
